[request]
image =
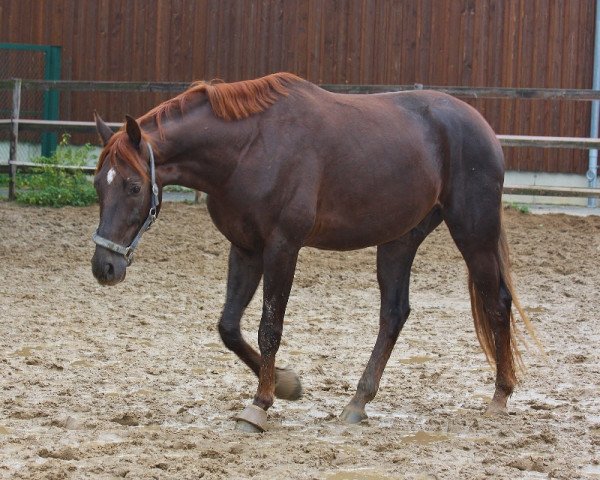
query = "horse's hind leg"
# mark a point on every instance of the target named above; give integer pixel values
(245, 272)
(394, 261)
(479, 237)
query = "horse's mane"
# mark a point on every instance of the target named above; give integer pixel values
(229, 101)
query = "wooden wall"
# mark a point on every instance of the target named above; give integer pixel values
(508, 43)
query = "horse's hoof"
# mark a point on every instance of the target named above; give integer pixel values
(244, 426)
(496, 410)
(252, 419)
(353, 415)
(287, 384)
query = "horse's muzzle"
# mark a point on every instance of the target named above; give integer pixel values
(108, 268)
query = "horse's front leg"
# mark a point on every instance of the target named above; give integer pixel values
(279, 264)
(243, 277)
(244, 274)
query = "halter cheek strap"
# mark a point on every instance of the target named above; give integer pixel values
(127, 252)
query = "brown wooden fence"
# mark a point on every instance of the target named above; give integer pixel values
(492, 43)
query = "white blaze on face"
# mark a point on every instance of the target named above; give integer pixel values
(110, 176)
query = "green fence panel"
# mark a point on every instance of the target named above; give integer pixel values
(51, 71)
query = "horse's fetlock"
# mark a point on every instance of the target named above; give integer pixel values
(264, 402)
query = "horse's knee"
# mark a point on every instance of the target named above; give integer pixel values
(230, 334)
(394, 320)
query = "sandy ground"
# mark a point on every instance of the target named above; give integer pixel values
(132, 381)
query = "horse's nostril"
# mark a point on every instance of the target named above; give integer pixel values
(109, 271)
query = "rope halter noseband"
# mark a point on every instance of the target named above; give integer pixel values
(127, 252)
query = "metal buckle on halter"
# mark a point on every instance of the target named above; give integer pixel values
(128, 255)
(153, 215)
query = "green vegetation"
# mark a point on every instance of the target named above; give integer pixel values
(519, 207)
(176, 188)
(56, 187)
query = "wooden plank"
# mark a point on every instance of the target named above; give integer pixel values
(241, 39)
(85, 168)
(341, 42)
(494, 27)
(261, 55)
(438, 65)
(463, 92)
(380, 25)
(198, 40)
(354, 44)
(32, 124)
(328, 33)
(567, 112)
(178, 55)
(509, 64)
(539, 55)
(553, 122)
(300, 34)
(505, 140)
(483, 35)
(548, 142)
(97, 86)
(276, 35)
(464, 62)
(474, 92)
(583, 77)
(423, 43)
(367, 40)
(551, 191)
(405, 45)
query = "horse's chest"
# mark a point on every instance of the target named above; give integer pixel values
(238, 225)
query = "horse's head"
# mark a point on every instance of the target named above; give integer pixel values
(128, 196)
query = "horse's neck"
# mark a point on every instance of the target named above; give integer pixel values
(195, 151)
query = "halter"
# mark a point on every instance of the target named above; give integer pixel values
(127, 252)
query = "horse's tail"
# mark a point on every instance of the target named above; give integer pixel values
(482, 320)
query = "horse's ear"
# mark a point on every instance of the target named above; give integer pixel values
(133, 131)
(103, 129)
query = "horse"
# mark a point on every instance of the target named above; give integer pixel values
(286, 164)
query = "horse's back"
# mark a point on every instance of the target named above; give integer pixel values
(387, 160)
(411, 127)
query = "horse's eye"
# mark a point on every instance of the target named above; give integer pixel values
(134, 189)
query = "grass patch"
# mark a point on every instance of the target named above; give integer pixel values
(49, 186)
(177, 188)
(519, 207)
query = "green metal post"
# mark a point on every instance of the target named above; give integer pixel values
(52, 68)
(51, 98)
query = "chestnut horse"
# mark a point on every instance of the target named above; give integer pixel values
(285, 165)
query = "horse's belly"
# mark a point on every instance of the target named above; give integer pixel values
(358, 209)
(352, 232)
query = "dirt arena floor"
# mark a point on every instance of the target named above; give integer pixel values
(132, 381)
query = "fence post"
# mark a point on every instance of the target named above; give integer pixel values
(14, 138)
(50, 112)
